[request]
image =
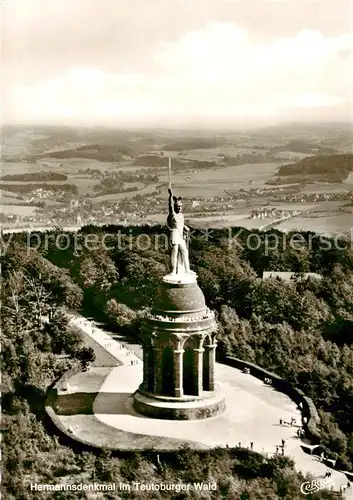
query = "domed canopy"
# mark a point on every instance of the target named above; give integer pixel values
(179, 297)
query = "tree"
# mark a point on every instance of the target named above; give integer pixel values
(86, 355)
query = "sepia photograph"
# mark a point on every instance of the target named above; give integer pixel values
(176, 193)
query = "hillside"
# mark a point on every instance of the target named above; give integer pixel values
(36, 353)
(301, 330)
(162, 161)
(100, 152)
(332, 168)
(35, 176)
(194, 143)
(47, 143)
(305, 147)
(28, 188)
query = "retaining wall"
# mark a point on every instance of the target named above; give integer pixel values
(60, 385)
(308, 409)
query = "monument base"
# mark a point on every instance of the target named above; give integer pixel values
(187, 408)
(184, 278)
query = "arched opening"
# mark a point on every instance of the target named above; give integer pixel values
(206, 365)
(189, 382)
(188, 372)
(167, 372)
(206, 370)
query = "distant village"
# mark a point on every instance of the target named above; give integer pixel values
(61, 207)
(272, 213)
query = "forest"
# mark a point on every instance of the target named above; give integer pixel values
(331, 168)
(106, 152)
(35, 176)
(301, 330)
(23, 189)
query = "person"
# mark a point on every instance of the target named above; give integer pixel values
(251, 445)
(280, 421)
(283, 443)
(175, 223)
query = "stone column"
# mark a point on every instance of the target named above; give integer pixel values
(211, 353)
(157, 386)
(178, 373)
(146, 362)
(148, 369)
(198, 354)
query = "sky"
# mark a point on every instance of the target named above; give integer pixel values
(177, 62)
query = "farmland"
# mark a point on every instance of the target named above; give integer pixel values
(223, 181)
(335, 224)
(67, 175)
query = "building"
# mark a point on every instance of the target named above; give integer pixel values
(179, 354)
(288, 276)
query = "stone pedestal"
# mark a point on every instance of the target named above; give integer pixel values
(179, 350)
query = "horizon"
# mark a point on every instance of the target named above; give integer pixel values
(236, 128)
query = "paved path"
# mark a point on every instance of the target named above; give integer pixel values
(123, 354)
(252, 414)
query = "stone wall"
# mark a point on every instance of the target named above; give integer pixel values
(62, 382)
(308, 409)
(55, 426)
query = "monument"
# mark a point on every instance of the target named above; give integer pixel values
(179, 340)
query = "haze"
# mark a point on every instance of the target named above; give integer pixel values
(176, 63)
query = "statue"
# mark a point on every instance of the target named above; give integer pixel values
(178, 230)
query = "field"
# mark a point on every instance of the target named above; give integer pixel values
(18, 209)
(232, 192)
(73, 169)
(222, 181)
(144, 190)
(335, 224)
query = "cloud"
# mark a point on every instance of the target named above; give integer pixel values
(220, 71)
